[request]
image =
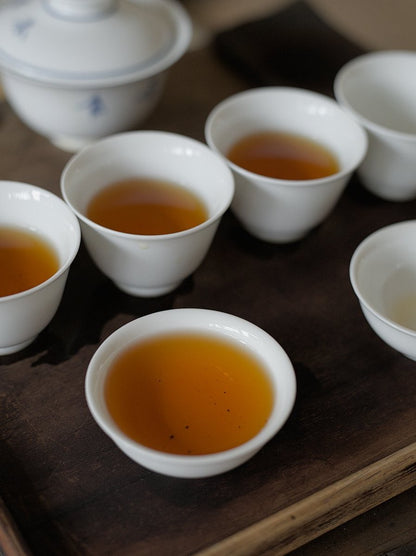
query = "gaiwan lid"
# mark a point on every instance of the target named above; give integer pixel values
(91, 42)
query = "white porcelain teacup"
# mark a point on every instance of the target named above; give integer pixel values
(383, 276)
(378, 90)
(285, 210)
(148, 265)
(244, 336)
(23, 315)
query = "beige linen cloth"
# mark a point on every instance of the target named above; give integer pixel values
(372, 24)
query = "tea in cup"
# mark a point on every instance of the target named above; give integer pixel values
(149, 204)
(190, 392)
(378, 90)
(39, 239)
(292, 152)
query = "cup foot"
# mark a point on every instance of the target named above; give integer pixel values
(280, 237)
(7, 350)
(70, 144)
(147, 291)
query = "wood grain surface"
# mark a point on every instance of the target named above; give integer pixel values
(323, 511)
(348, 445)
(11, 541)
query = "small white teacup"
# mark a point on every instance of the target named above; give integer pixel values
(23, 315)
(383, 276)
(148, 265)
(245, 337)
(285, 210)
(378, 90)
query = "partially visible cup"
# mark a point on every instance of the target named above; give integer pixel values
(23, 315)
(148, 265)
(383, 277)
(285, 210)
(378, 90)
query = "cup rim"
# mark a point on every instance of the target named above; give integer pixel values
(146, 237)
(353, 267)
(274, 424)
(269, 181)
(74, 249)
(340, 96)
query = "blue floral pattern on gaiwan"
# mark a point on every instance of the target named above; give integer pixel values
(22, 27)
(94, 105)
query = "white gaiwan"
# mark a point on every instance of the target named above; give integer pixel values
(78, 70)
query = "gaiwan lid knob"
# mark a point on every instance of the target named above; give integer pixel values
(91, 42)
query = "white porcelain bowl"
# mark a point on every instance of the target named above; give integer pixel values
(378, 90)
(24, 315)
(148, 265)
(245, 334)
(78, 70)
(281, 210)
(383, 276)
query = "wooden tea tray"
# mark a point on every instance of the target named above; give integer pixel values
(349, 445)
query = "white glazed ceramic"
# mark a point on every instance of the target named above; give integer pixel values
(383, 276)
(378, 90)
(24, 315)
(78, 70)
(244, 334)
(148, 265)
(277, 210)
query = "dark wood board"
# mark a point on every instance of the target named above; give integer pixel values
(349, 444)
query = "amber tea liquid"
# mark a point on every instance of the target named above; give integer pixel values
(188, 394)
(146, 207)
(283, 156)
(26, 260)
